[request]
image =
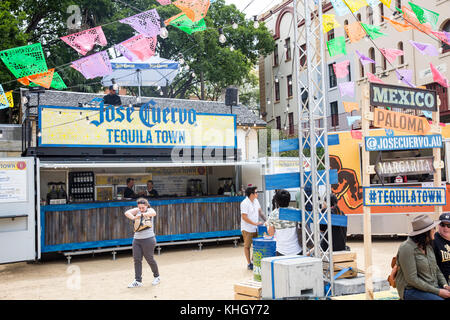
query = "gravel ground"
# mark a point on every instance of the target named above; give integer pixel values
(186, 273)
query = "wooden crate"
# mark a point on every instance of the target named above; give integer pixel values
(238, 296)
(342, 256)
(247, 290)
(342, 265)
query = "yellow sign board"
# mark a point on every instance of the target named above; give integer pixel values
(147, 126)
(121, 179)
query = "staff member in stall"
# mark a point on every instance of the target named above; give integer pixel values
(129, 192)
(151, 192)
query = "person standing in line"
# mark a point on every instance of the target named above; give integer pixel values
(441, 245)
(144, 243)
(250, 210)
(285, 232)
(418, 276)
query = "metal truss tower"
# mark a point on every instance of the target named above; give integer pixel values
(312, 131)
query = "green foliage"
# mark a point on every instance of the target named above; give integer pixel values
(215, 66)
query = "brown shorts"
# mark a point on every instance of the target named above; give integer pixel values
(248, 238)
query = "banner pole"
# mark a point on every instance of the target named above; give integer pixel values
(365, 109)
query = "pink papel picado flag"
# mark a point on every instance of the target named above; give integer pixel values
(341, 68)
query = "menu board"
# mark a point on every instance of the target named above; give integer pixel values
(13, 181)
(171, 181)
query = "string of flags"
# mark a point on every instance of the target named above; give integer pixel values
(416, 17)
(28, 64)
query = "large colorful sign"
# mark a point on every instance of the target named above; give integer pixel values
(400, 121)
(402, 97)
(144, 127)
(383, 143)
(404, 196)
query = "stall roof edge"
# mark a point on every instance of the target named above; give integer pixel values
(70, 99)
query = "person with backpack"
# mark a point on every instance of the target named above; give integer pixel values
(418, 276)
(144, 241)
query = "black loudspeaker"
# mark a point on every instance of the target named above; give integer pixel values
(231, 97)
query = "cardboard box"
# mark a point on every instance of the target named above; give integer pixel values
(293, 276)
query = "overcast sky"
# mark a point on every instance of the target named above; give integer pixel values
(256, 7)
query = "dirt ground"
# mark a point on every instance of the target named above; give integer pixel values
(186, 273)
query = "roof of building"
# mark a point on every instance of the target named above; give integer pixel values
(72, 99)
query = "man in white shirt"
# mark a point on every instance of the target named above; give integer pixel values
(250, 210)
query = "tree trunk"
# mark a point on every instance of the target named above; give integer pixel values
(202, 86)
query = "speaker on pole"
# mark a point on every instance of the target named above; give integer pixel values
(231, 97)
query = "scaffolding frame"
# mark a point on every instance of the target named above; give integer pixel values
(313, 132)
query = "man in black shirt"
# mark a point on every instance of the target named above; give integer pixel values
(112, 98)
(441, 245)
(151, 192)
(129, 192)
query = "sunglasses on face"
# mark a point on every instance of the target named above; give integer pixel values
(444, 225)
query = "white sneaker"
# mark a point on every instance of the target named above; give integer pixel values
(135, 284)
(156, 281)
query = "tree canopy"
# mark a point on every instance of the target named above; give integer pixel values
(209, 66)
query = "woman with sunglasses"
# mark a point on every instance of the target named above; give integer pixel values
(144, 242)
(441, 245)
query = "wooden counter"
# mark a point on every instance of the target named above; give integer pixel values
(103, 224)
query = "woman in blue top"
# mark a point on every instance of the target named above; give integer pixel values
(144, 242)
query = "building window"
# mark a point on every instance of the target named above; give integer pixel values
(275, 55)
(334, 114)
(358, 17)
(442, 94)
(372, 56)
(345, 32)
(369, 13)
(349, 75)
(381, 9)
(303, 55)
(289, 86)
(277, 91)
(446, 28)
(398, 3)
(278, 122)
(332, 76)
(402, 57)
(384, 63)
(291, 123)
(330, 34)
(361, 69)
(287, 47)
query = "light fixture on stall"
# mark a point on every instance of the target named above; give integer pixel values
(222, 38)
(163, 33)
(255, 22)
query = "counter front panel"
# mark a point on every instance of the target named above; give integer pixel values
(95, 225)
